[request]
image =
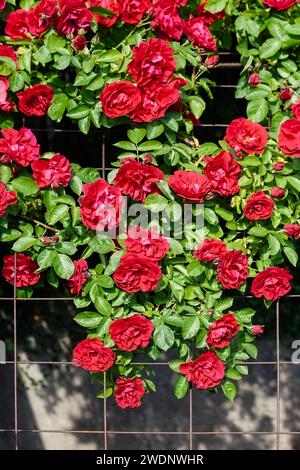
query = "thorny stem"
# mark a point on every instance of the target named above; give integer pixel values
(41, 224)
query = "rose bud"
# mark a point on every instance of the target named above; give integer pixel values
(254, 79)
(148, 158)
(278, 193)
(211, 61)
(279, 166)
(79, 43)
(257, 330)
(286, 94)
(292, 230)
(50, 240)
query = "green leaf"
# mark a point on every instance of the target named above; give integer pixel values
(251, 350)
(102, 305)
(197, 106)
(58, 212)
(224, 304)
(210, 216)
(125, 145)
(23, 243)
(102, 245)
(88, 319)
(76, 185)
(25, 186)
(293, 29)
(233, 374)
(191, 325)
(109, 56)
(84, 124)
(215, 5)
(58, 107)
(63, 265)
(226, 215)
(270, 47)
(250, 160)
(79, 112)
(105, 281)
(154, 130)
(102, 11)
(291, 255)
(136, 135)
(7, 66)
(257, 110)
(274, 245)
(258, 231)
(229, 390)
(45, 259)
(294, 182)
(156, 203)
(181, 387)
(164, 337)
(150, 145)
(5, 173)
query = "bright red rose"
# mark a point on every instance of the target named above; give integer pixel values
(259, 207)
(280, 4)
(129, 392)
(257, 330)
(277, 193)
(137, 273)
(199, 34)
(7, 198)
(7, 106)
(168, 23)
(112, 5)
(206, 16)
(272, 283)
(168, 5)
(155, 102)
(132, 11)
(131, 333)
(120, 98)
(16, 25)
(79, 277)
(295, 108)
(210, 250)
(289, 137)
(286, 94)
(147, 243)
(2, 4)
(243, 135)
(91, 354)
(292, 230)
(100, 205)
(233, 269)
(222, 330)
(54, 172)
(211, 61)
(254, 79)
(25, 270)
(138, 180)
(19, 146)
(153, 60)
(7, 51)
(207, 371)
(74, 16)
(36, 100)
(190, 185)
(42, 17)
(79, 43)
(223, 173)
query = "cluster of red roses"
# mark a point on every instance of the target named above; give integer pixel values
(280, 5)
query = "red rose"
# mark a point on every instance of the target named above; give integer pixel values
(222, 330)
(233, 269)
(50, 240)
(168, 5)
(259, 207)
(131, 333)
(277, 193)
(100, 205)
(207, 371)
(7, 51)
(210, 250)
(36, 100)
(289, 137)
(272, 283)
(79, 277)
(295, 108)
(137, 273)
(292, 230)
(147, 243)
(257, 330)
(16, 25)
(286, 94)
(92, 355)
(19, 146)
(120, 98)
(74, 16)
(54, 172)
(280, 4)
(254, 79)
(25, 270)
(246, 136)
(42, 17)
(168, 23)
(223, 172)
(211, 61)
(190, 185)
(4, 86)
(199, 34)
(153, 60)
(112, 5)
(278, 166)
(7, 198)
(155, 102)
(129, 392)
(2, 4)
(138, 180)
(79, 43)
(206, 16)
(132, 11)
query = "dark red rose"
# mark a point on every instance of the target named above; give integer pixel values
(233, 269)
(79, 43)
(259, 207)
(155, 102)
(257, 330)
(243, 135)
(112, 5)
(7, 51)
(137, 273)
(74, 16)
(129, 392)
(2, 4)
(292, 230)
(7, 198)
(54, 172)
(168, 23)
(79, 277)
(25, 270)
(7, 106)
(278, 166)
(207, 371)
(19, 146)
(277, 193)
(132, 11)
(223, 173)
(210, 250)
(222, 330)
(16, 25)
(100, 205)
(211, 61)
(280, 4)
(153, 60)
(91, 354)
(120, 98)
(138, 180)
(42, 17)
(286, 94)
(190, 185)
(254, 79)
(147, 243)
(206, 16)
(199, 34)
(289, 137)
(36, 100)
(295, 108)
(272, 283)
(131, 333)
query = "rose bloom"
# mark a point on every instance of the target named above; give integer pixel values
(129, 392)
(131, 333)
(19, 146)
(137, 273)
(153, 60)
(79, 277)
(277, 193)
(138, 180)
(222, 330)
(120, 98)
(147, 243)
(199, 34)
(112, 5)
(42, 17)
(207, 371)
(7, 51)
(190, 185)
(272, 283)
(286, 94)
(210, 250)
(155, 102)
(233, 269)
(211, 61)
(246, 136)
(100, 205)
(79, 43)
(280, 4)
(4, 86)
(257, 330)
(289, 137)
(254, 79)
(91, 354)
(16, 25)
(168, 23)
(25, 270)
(206, 16)
(223, 173)
(132, 11)
(259, 206)
(35, 101)
(295, 108)
(74, 16)
(7, 198)
(292, 230)
(54, 172)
